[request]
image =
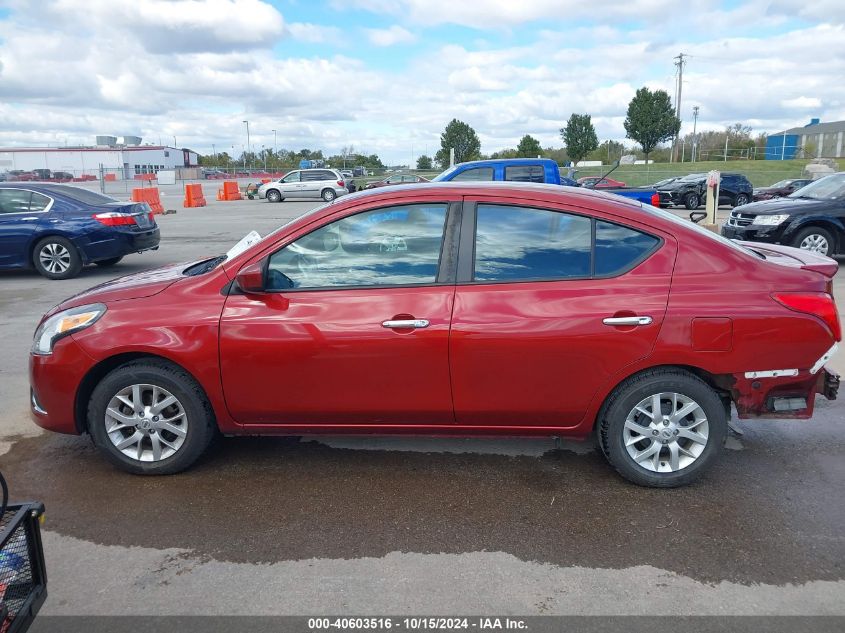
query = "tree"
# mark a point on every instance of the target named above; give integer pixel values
(529, 147)
(651, 119)
(424, 162)
(460, 137)
(579, 136)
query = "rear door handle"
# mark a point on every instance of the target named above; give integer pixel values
(404, 324)
(632, 320)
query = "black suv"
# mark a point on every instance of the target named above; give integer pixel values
(812, 218)
(690, 191)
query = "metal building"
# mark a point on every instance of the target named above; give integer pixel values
(814, 140)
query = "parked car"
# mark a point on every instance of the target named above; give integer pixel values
(214, 174)
(780, 189)
(57, 229)
(690, 191)
(347, 174)
(468, 309)
(61, 176)
(812, 218)
(664, 182)
(529, 170)
(327, 184)
(17, 175)
(597, 182)
(396, 179)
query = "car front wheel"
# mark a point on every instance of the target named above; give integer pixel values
(274, 196)
(662, 428)
(56, 258)
(150, 418)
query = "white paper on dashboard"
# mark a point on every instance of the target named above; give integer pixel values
(248, 240)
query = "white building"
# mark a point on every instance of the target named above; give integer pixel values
(124, 161)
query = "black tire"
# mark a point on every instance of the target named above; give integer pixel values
(274, 195)
(629, 394)
(815, 234)
(741, 199)
(201, 427)
(66, 264)
(328, 195)
(692, 201)
(105, 263)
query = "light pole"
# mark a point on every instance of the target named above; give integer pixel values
(214, 151)
(247, 142)
(274, 142)
(694, 138)
(174, 142)
(263, 153)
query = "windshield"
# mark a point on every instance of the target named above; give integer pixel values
(828, 188)
(443, 176)
(780, 183)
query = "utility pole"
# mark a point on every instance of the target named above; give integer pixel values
(274, 143)
(680, 63)
(247, 142)
(694, 137)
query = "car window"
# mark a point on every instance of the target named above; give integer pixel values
(619, 247)
(38, 202)
(525, 173)
(14, 201)
(520, 243)
(409, 179)
(292, 177)
(394, 179)
(828, 188)
(383, 247)
(476, 173)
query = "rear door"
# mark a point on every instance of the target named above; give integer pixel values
(22, 214)
(551, 302)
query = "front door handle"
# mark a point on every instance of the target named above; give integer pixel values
(29, 218)
(405, 324)
(631, 320)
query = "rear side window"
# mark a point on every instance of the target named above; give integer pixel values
(14, 201)
(525, 173)
(475, 174)
(619, 248)
(38, 202)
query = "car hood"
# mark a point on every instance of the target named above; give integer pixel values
(134, 286)
(678, 185)
(784, 205)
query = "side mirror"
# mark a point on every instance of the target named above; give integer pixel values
(251, 278)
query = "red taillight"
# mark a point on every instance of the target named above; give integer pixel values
(114, 219)
(655, 199)
(819, 304)
(340, 183)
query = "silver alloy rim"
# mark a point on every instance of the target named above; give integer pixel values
(146, 423)
(816, 243)
(55, 258)
(740, 200)
(328, 196)
(666, 432)
(274, 196)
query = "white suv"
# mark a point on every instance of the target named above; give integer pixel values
(327, 184)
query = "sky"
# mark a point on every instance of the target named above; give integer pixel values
(386, 76)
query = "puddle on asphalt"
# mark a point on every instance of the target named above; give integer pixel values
(270, 499)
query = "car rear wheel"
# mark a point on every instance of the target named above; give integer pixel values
(815, 239)
(662, 428)
(105, 263)
(328, 195)
(56, 258)
(274, 196)
(740, 199)
(150, 418)
(691, 201)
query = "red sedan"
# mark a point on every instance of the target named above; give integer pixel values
(597, 182)
(454, 308)
(397, 179)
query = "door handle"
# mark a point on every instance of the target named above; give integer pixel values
(632, 320)
(404, 324)
(29, 218)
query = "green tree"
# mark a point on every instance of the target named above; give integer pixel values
(424, 162)
(579, 136)
(460, 137)
(651, 119)
(529, 147)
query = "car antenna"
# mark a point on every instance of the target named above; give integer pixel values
(612, 169)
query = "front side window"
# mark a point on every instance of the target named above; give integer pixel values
(525, 173)
(14, 201)
(383, 247)
(476, 174)
(291, 177)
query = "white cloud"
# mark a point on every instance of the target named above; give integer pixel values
(314, 33)
(390, 36)
(802, 103)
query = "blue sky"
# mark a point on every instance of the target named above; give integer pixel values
(385, 76)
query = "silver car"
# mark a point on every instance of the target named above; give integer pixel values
(327, 184)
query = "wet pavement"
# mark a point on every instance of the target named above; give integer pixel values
(295, 525)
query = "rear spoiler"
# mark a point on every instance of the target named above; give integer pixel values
(796, 257)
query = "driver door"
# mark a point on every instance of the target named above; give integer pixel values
(291, 184)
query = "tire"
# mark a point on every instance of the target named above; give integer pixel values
(625, 411)
(105, 263)
(56, 257)
(190, 415)
(815, 239)
(740, 199)
(692, 201)
(273, 195)
(328, 195)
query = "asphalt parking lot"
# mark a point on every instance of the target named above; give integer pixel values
(434, 526)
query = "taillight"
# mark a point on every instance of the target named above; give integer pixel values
(114, 219)
(655, 199)
(819, 304)
(340, 183)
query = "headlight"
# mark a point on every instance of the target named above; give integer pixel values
(65, 323)
(769, 220)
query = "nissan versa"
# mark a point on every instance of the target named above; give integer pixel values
(449, 308)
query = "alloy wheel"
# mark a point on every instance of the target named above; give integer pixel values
(146, 423)
(815, 243)
(54, 258)
(666, 432)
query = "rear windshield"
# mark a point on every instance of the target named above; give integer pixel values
(84, 196)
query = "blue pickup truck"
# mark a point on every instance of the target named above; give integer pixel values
(543, 170)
